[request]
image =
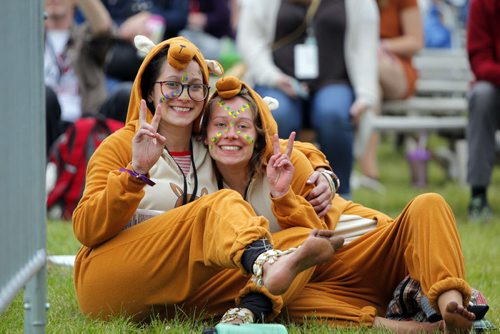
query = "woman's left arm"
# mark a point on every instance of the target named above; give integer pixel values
(411, 40)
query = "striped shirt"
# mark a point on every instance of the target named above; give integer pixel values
(183, 159)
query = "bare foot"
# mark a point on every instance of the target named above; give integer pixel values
(278, 276)
(336, 241)
(457, 319)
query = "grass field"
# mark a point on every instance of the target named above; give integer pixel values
(481, 251)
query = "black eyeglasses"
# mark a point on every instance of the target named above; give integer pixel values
(174, 89)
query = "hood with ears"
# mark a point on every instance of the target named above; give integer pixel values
(230, 86)
(181, 52)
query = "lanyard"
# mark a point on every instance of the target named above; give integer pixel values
(192, 197)
(306, 25)
(60, 60)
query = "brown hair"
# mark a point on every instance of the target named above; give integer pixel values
(151, 74)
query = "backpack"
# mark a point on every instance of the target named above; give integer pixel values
(70, 154)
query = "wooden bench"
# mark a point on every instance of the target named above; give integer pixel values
(440, 87)
(427, 105)
(440, 104)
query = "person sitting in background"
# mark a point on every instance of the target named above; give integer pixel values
(483, 48)
(318, 59)
(401, 37)
(356, 286)
(209, 25)
(155, 19)
(74, 60)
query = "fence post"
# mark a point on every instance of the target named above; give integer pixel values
(22, 170)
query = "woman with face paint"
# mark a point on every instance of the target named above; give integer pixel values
(137, 267)
(357, 285)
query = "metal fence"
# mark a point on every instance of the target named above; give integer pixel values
(22, 154)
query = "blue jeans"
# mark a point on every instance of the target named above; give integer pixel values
(329, 116)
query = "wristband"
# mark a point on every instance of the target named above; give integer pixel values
(332, 179)
(141, 177)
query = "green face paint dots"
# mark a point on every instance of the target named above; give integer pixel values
(231, 112)
(249, 139)
(216, 138)
(184, 78)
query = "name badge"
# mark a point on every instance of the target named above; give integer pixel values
(306, 61)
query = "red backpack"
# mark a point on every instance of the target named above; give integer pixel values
(70, 154)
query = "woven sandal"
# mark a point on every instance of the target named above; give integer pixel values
(237, 313)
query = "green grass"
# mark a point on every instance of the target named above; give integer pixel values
(481, 252)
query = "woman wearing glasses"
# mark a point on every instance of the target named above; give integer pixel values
(137, 267)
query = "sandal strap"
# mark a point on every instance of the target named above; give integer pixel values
(243, 314)
(268, 256)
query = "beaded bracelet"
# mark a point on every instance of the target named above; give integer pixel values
(141, 177)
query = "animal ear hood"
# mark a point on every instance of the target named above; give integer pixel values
(180, 53)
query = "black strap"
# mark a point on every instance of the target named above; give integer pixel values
(220, 185)
(185, 198)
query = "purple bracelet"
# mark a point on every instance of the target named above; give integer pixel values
(141, 177)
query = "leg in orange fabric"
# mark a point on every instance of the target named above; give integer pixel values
(162, 260)
(423, 241)
(220, 292)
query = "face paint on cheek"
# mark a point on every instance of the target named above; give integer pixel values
(249, 139)
(217, 137)
(163, 99)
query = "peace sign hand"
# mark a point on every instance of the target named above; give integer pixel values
(147, 144)
(279, 168)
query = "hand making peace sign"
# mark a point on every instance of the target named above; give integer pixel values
(147, 144)
(279, 168)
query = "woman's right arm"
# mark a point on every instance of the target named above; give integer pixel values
(110, 197)
(254, 38)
